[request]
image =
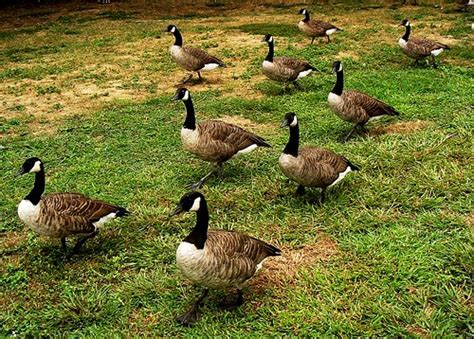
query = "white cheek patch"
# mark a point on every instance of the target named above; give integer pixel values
(36, 168)
(173, 30)
(294, 122)
(407, 24)
(340, 68)
(271, 39)
(186, 96)
(196, 205)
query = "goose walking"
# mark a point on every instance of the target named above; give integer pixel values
(419, 48)
(216, 259)
(311, 166)
(212, 140)
(62, 215)
(353, 106)
(284, 69)
(316, 28)
(190, 58)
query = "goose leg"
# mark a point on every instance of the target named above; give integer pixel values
(200, 183)
(322, 196)
(312, 40)
(329, 39)
(433, 61)
(63, 245)
(297, 85)
(81, 242)
(350, 133)
(231, 303)
(186, 79)
(200, 77)
(192, 315)
(300, 190)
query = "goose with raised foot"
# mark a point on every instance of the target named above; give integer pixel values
(419, 48)
(316, 28)
(190, 58)
(284, 69)
(212, 140)
(353, 106)
(62, 215)
(311, 166)
(216, 259)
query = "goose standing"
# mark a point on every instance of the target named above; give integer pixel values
(311, 166)
(419, 48)
(217, 258)
(354, 106)
(284, 69)
(190, 58)
(316, 28)
(212, 140)
(62, 215)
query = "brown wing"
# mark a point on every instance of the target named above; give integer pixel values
(320, 166)
(77, 205)
(320, 26)
(202, 57)
(226, 139)
(423, 47)
(294, 64)
(364, 104)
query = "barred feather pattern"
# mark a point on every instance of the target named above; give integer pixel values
(315, 28)
(69, 214)
(285, 69)
(216, 141)
(358, 107)
(313, 167)
(418, 48)
(193, 59)
(228, 259)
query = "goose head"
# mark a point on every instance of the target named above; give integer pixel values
(337, 67)
(303, 11)
(405, 23)
(171, 29)
(182, 94)
(289, 120)
(190, 202)
(268, 38)
(31, 165)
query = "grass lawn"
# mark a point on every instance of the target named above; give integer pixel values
(87, 89)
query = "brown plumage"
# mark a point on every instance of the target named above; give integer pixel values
(353, 106)
(284, 69)
(316, 28)
(211, 140)
(217, 258)
(61, 215)
(311, 166)
(190, 58)
(419, 48)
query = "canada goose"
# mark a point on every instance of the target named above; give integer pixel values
(311, 166)
(190, 58)
(419, 48)
(217, 258)
(315, 28)
(354, 106)
(61, 215)
(212, 140)
(284, 69)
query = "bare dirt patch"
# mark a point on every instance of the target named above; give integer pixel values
(283, 271)
(247, 123)
(404, 127)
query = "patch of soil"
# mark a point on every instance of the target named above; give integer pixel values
(403, 127)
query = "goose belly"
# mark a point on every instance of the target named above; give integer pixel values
(30, 215)
(202, 269)
(181, 58)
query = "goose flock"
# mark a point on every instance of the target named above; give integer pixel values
(223, 259)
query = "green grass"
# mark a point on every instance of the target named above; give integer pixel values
(402, 226)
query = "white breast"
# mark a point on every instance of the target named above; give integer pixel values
(341, 176)
(331, 31)
(267, 64)
(402, 43)
(188, 258)
(29, 213)
(209, 67)
(287, 160)
(189, 137)
(304, 73)
(334, 99)
(176, 51)
(437, 52)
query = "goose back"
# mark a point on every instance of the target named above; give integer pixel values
(194, 59)
(316, 28)
(418, 48)
(284, 69)
(228, 259)
(216, 141)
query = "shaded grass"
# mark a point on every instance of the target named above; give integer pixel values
(280, 29)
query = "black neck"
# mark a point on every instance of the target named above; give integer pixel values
(38, 188)
(407, 33)
(270, 52)
(198, 235)
(338, 87)
(291, 147)
(178, 39)
(190, 122)
(306, 17)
